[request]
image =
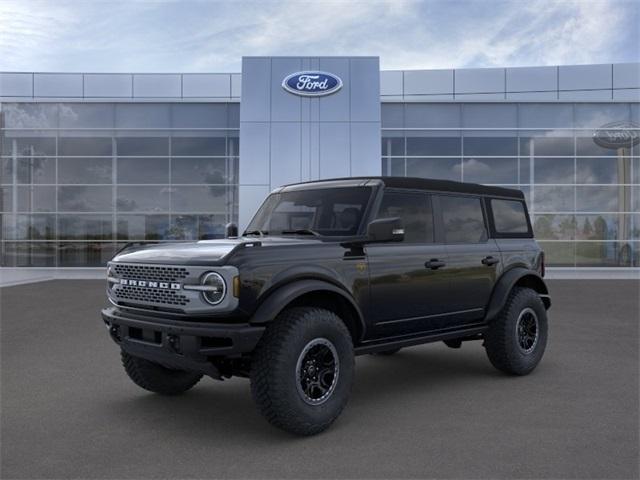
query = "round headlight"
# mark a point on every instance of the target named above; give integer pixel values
(216, 288)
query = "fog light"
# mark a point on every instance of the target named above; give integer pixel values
(215, 288)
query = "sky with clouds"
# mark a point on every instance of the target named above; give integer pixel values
(212, 36)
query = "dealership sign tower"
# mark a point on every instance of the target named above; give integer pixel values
(306, 118)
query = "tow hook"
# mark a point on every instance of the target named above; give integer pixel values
(174, 343)
(114, 331)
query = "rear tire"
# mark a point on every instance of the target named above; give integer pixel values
(517, 338)
(156, 378)
(302, 370)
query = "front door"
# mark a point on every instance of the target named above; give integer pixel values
(407, 284)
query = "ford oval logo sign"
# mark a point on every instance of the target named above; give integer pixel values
(617, 135)
(312, 84)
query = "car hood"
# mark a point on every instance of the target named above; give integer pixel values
(204, 252)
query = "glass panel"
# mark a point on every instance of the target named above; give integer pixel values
(606, 254)
(77, 254)
(36, 199)
(554, 227)
(198, 146)
(85, 146)
(553, 199)
(28, 146)
(85, 170)
(490, 146)
(414, 209)
(598, 114)
(86, 115)
(143, 199)
(85, 199)
(6, 199)
(509, 216)
(559, 254)
(143, 170)
(432, 115)
(489, 115)
(392, 115)
(439, 168)
(142, 227)
(491, 170)
(398, 167)
(200, 170)
(462, 219)
(36, 170)
(199, 115)
(233, 115)
(553, 170)
(6, 171)
(26, 254)
(201, 199)
(148, 115)
(392, 146)
(30, 115)
(85, 227)
(600, 199)
(29, 227)
(142, 146)
(542, 115)
(603, 170)
(587, 147)
(546, 146)
(433, 146)
(601, 227)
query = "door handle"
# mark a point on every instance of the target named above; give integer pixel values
(488, 261)
(434, 264)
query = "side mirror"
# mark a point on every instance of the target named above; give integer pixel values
(230, 230)
(385, 230)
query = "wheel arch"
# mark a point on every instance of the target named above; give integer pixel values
(313, 293)
(516, 277)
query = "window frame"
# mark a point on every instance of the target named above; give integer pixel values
(492, 226)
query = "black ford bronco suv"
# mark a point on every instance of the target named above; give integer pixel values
(327, 270)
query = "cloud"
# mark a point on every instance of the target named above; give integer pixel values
(139, 36)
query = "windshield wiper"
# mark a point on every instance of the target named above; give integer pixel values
(301, 231)
(262, 233)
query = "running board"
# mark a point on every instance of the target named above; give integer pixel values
(390, 344)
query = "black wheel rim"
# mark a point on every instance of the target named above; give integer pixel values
(527, 330)
(317, 371)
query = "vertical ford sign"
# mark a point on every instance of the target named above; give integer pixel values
(312, 84)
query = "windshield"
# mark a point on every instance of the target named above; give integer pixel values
(333, 212)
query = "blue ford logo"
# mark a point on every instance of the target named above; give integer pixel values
(312, 84)
(617, 135)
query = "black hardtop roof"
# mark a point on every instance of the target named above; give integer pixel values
(415, 183)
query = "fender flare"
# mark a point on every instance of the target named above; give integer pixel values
(282, 296)
(505, 284)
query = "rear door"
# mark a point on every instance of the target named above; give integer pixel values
(407, 280)
(473, 258)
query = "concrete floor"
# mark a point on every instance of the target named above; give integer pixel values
(69, 411)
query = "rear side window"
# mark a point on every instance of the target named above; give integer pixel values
(509, 216)
(463, 220)
(414, 209)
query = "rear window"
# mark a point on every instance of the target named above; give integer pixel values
(509, 216)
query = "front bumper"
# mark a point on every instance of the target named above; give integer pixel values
(179, 344)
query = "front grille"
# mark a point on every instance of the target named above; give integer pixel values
(158, 296)
(150, 273)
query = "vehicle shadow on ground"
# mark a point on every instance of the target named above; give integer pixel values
(225, 411)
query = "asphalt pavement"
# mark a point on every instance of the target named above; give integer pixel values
(68, 410)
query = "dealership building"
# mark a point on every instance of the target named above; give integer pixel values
(91, 161)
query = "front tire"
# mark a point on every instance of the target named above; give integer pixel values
(156, 378)
(302, 370)
(517, 338)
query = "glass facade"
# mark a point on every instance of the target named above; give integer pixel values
(79, 180)
(584, 198)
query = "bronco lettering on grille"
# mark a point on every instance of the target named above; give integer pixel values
(149, 284)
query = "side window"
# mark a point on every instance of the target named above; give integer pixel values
(415, 211)
(509, 216)
(462, 219)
